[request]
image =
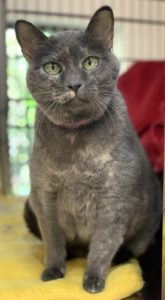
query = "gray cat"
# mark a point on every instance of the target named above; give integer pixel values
(91, 182)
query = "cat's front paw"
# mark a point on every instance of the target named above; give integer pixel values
(93, 284)
(52, 274)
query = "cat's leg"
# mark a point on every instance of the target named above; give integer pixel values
(31, 220)
(44, 205)
(107, 239)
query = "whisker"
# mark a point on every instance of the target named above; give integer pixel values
(108, 112)
(44, 116)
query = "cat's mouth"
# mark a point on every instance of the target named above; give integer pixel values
(80, 120)
(65, 97)
(68, 97)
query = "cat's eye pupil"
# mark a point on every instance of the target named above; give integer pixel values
(52, 68)
(89, 62)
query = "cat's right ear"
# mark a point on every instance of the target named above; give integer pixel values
(29, 37)
(101, 27)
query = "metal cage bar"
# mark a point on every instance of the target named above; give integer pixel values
(83, 16)
(4, 157)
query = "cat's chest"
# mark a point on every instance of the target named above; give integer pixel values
(79, 172)
(82, 161)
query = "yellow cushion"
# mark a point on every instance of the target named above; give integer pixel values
(21, 263)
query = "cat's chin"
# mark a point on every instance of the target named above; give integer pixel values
(73, 124)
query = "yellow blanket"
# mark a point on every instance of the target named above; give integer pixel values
(21, 263)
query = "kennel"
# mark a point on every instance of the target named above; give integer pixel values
(139, 36)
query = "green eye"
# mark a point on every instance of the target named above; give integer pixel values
(90, 63)
(52, 68)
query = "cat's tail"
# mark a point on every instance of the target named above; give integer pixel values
(31, 220)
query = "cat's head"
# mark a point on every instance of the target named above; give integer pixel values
(71, 75)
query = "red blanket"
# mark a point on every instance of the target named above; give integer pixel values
(143, 87)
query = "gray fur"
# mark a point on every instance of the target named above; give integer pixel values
(91, 181)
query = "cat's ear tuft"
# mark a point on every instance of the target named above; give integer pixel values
(101, 27)
(29, 37)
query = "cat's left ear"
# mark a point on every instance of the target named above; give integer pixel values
(101, 27)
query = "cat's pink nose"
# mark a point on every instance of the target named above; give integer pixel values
(74, 87)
